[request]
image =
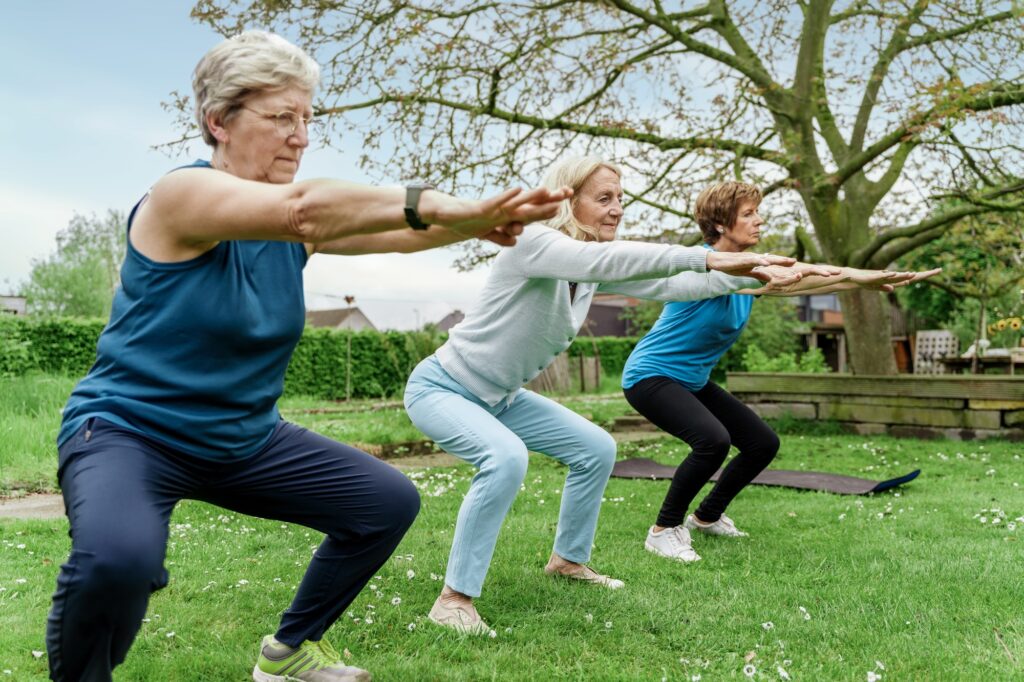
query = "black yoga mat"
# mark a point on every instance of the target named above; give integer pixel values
(641, 467)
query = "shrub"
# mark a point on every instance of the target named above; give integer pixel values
(613, 350)
(811, 362)
(15, 356)
(337, 364)
(63, 345)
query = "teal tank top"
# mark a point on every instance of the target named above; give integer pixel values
(195, 352)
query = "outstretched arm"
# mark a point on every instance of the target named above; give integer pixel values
(192, 209)
(847, 278)
(407, 241)
(692, 286)
(549, 254)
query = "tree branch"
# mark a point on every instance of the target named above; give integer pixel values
(880, 251)
(601, 131)
(989, 96)
(806, 241)
(881, 68)
(809, 84)
(748, 64)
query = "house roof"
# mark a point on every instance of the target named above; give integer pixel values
(335, 317)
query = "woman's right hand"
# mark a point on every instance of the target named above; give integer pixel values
(744, 264)
(501, 216)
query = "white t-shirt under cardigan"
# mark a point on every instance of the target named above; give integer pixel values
(525, 318)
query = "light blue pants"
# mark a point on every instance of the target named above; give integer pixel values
(496, 440)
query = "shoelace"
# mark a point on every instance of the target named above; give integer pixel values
(681, 539)
(727, 522)
(324, 654)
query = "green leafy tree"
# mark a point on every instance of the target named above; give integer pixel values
(848, 113)
(773, 329)
(79, 278)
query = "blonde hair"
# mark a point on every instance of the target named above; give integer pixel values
(250, 62)
(719, 204)
(574, 172)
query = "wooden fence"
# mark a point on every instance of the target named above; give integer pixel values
(949, 406)
(568, 375)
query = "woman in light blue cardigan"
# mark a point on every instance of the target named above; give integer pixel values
(469, 396)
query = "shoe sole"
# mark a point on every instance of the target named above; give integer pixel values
(654, 550)
(260, 676)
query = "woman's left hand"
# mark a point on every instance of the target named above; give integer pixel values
(888, 280)
(917, 277)
(777, 276)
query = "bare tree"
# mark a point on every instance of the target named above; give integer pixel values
(853, 115)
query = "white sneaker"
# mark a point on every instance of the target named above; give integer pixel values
(672, 543)
(723, 526)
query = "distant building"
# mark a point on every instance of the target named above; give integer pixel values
(340, 318)
(826, 331)
(13, 305)
(450, 320)
(605, 317)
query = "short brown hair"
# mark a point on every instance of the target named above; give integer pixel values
(719, 204)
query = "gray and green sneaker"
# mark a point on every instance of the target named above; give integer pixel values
(311, 662)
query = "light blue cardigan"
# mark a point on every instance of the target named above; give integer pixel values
(524, 317)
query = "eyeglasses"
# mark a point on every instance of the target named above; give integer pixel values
(287, 122)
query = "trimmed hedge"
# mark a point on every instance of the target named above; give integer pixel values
(613, 350)
(327, 363)
(53, 345)
(375, 365)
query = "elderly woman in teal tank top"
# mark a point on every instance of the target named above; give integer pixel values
(181, 402)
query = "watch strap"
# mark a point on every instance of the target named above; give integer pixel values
(412, 201)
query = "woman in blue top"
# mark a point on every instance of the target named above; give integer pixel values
(666, 377)
(181, 402)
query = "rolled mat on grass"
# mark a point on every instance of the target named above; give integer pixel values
(641, 467)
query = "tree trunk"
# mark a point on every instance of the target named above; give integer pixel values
(866, 319)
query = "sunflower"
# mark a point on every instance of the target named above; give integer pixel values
(1015, 323)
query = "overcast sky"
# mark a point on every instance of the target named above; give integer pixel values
(81, 88)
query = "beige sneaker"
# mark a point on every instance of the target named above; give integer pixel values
(584, 573)
(458, 616)
(672, 543)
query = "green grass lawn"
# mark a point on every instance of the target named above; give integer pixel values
(920, 583)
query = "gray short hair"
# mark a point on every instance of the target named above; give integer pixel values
(574, 172)
(250, 62)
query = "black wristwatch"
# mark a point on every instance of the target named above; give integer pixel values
(412, 201)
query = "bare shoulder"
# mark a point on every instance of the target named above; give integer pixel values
(155, 229)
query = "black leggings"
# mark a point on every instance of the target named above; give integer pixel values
(709, 421)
